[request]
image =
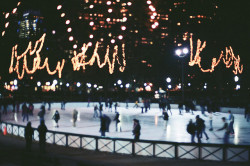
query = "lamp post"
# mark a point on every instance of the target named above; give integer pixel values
(182, 53)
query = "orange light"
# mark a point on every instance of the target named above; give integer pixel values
(228, 58)
(37, 64)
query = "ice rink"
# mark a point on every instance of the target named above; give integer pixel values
(153, 127)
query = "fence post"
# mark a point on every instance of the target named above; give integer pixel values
(200, 151)
(80, 142)
(176, 151)
(67, 140)
(114, 146)
(96, 144)
(54, 138)
(224, 153)
(153, 149)
(133, 148)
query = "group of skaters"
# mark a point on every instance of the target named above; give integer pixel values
(198, 128)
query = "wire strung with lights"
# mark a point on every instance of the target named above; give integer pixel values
(7, 15)
(78, 60)
(228, 58)
(37, 62)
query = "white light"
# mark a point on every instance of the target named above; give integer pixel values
(123, 28)
(178, 52)
(95, 86)
(59, 7)
(71, 38)
(189, 84)
(15, 82)
(237, 87)
(153, 26)
(110, 10)
(61, 83)
(109, 3)
(47, 83)
(108, 19)
(129, 3)
(169, 86)
(53, 32)
(91, 6)
(91, 36)
(119, 82)
(236, 78)
(127, 85)
(38, 83)
(75, 46)
(120, 37)
(114, 84)
(121, 86)
(91, 23)
(185, 50)
(67, 84)
(148, 2)
(145, 84)
(168, 80)
(205, 86)
(67, 22)
(179, 86)
(69, 29)
(78, 84)
(55, 82)
(90, 44)
(113, 41)
(89, 85)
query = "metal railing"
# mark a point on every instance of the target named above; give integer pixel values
(216, 152)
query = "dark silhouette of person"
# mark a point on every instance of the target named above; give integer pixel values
(42, 129)
(107, 122)
(56, 117)
(102, 126)
(191, 130)
(136, 129)
(28, 134)
(117, 121)
(25, 112)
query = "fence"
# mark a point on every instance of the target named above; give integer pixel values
(216, 152)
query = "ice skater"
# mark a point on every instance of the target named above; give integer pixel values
(231, 122)
(227, 131)
(210, 116)
(56, 118)
(117, 122)
(25, 111)
(136, 129)
(102, 126)
(75, 114)
(95, 112)
(191, 130)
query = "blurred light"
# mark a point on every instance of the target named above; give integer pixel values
(59, 7)
(47, 83)
(120, 37)
(178, 52)
(71, 38)
(236, 78)
(149, 2)
(168, 80)
(108, 2)
(127, 85)
(7, 15)
(114, 84)
(121, 86)
(108, 19)
(237, 87)
(95, 86)
(78, 84)
(75, 46)
(185, 50)
(129, 3)
(169, 86)
(38, 83)
(53, 32)
(205, 86)
(91, 36)
(91, 6)
(69, 29)
(61, 83)
(67, 22)
(189, 84)
(89, 85)
(113, 41)
(153, 26)
(90, 44)
(91, 23)
(55, 82)
(67, 84)
(123, 28)
(110, 10)
(119, 82)
(63, 14)
(15, 82)
(145, 84)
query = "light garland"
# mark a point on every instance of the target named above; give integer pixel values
(78, 60)
(37, 64)
(7, 15)
(228, 58)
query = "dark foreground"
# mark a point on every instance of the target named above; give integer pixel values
(12, 153)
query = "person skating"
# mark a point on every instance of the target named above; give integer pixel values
(41, 113)
(28, 134)
(136, 129)
(117, 122)
(165, 118)
(100, 109)
(200, 127)
(107, 122)
(95, 112)
(210, 120)
(42, 129)
(102, 126)
(227, 131)
(231, 122)
(75, 114)
(56, 118)
(25, 112)
(191, 130)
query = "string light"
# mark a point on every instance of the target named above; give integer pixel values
(79, 61)
(37, 64)
(228, 58)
